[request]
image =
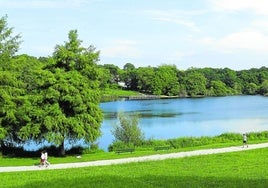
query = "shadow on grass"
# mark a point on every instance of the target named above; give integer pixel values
(148, 182)
(19, 152)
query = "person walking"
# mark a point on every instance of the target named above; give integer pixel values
(46, 159)
(42, 159)
(245, 140)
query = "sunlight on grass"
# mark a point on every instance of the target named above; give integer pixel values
(237, 169)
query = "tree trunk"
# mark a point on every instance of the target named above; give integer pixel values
(61, 149)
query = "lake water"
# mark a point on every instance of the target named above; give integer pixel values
(172, 118)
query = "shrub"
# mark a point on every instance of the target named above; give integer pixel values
(128, 131)
(119, 145)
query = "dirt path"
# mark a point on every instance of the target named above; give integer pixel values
(134, 159)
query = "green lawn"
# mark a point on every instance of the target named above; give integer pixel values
(237, 169)
(13, 161)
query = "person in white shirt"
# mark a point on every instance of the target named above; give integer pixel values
(245, 140)
(42, 159)
(46, 159)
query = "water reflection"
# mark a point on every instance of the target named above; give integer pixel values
(113, 115)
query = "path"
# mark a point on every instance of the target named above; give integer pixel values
(134, 159)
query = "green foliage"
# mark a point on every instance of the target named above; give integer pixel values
(53, 100)
(129, 66)
(250, 89)
(13, 104)
(9, 44)
(218, 88)
(184, 142)
(195, 84)
(145, 77)
(264, 88)
(117, 145)
(127, 130)
(165, 81)
(70, 95)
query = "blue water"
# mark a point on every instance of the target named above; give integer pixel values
(172, 118)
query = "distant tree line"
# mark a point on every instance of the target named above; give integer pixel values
(170, 81)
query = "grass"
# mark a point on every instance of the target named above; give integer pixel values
(109, 93)
(237, 169)
(101, 155)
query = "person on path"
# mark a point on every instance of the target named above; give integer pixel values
(245, 140)
(46, 159)
(42, 159)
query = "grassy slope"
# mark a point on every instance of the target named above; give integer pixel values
(238, 169)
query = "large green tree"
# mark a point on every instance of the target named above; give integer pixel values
(68, 92)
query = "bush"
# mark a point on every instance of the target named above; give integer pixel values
(119, 145)
(128, 131)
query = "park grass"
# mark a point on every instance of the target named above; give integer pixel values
(237, 169)
(119, 92)
(109, 94)
(102, 155)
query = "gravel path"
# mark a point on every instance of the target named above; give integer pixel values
(134, 159)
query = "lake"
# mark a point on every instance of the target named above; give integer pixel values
(172, 118)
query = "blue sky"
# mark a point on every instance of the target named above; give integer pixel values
(186, 33)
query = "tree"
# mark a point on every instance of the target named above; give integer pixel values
(218, 88)
(113, 73)
(16, 84)
(9, 44)
(68, 92)
(129, 66)
(145, 76)
(128, 131)
(129, 76)
(10, 87)
(250, 89)
(228, 77)
(195, 83)
(165, 81)
(11, 101)
(264, 88)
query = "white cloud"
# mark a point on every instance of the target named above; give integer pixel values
(42, 3)
(261, 24)
(121, 48)
(258, 6)
(178, 55)
(245, 40)
(174, 16)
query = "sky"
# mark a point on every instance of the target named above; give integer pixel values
(186, 33)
